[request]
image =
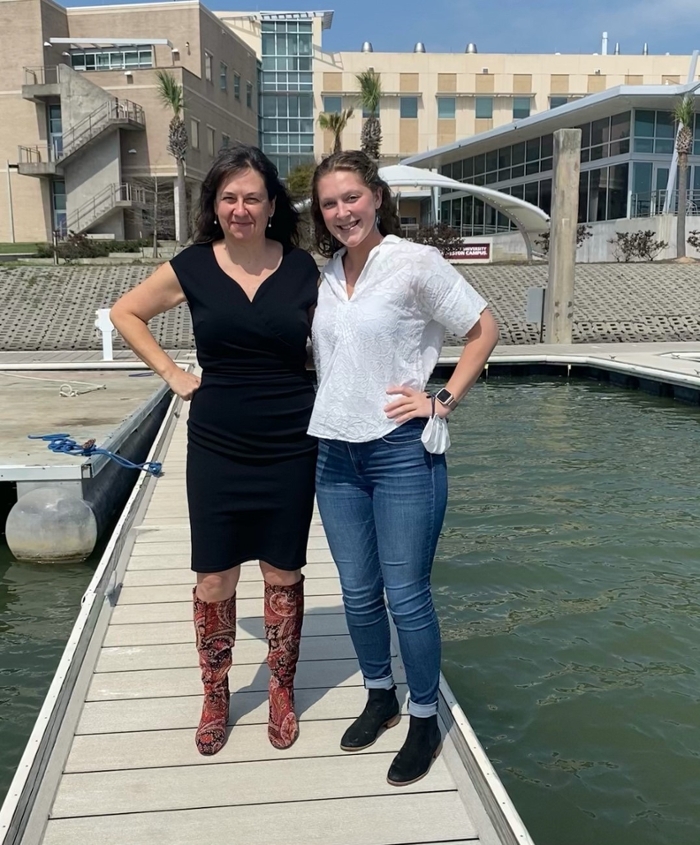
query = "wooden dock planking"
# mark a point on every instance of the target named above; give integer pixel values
(133, 773)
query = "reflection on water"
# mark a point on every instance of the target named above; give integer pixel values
(38, 607)
(568, 591)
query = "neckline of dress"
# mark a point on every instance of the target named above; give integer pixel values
(285, 253)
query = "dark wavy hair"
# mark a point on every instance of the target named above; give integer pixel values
(285, 221)
(360, 163)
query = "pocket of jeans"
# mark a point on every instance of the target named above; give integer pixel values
(409, 432)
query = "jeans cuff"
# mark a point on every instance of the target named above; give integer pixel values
(422, 711)
(380, 683)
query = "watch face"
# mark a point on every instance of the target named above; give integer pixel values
(444, 396)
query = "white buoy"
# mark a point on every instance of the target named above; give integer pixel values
(51, 525)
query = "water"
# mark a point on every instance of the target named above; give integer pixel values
(38, 607)
(570, 606)
(567, 586)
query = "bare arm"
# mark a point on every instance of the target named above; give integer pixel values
(481, 340)
(130, 315)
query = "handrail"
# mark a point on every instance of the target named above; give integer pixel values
(103, 202)
(95, 122)
(42, 75)
(652, 203)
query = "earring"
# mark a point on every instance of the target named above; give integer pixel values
(269, 222)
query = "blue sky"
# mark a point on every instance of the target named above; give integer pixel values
(502, 26)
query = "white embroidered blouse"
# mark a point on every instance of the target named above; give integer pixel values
(390, 332)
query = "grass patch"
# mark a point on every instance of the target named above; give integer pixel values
(9, 249)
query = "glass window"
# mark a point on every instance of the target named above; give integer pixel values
(225, 141)
(211, 140)
(503, 158)
(532, 150)
(409, 107)
(194, 134)
(521, 107)
(583, 197)
(447, 108)
(249, 94)
(547, 146)
(484, 108)
(208, 66)
(479, 164)
(366, 114)
(546, 195)
(223, 76)
(332, 105)
(458, 170)
(617, 191)
(491, 161)
(467, 168)
(532, 192)
(585, 135)
(236, 86)
(556, 102)
(600, 137)
(518, 153)
(620, 134)
(597, 194)
(696, 144)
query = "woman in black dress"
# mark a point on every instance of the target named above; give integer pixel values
(250, 463)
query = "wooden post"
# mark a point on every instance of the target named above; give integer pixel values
(562, 239)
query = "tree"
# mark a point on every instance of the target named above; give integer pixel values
(299, 180)
(335, 122)
(370, 95)
(683, 114)
(155, 220)
(444, 238)
(171, 95)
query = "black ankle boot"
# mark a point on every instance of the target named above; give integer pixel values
(381, 711)
(416, 756)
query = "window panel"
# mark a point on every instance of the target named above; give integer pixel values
(249, 95)
(409, 107)
(332, 105)
(556, 102)
(546, 195)
(223, 76)
(617, 191)
(491, 164)
(208, 66)
(583, 197)
(521, 107)
(484, 108)
(236, 86)
(447, 108)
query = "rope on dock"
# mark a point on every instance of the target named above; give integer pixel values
(66, 389)
(63, 444)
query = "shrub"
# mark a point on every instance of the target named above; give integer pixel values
(640, 245)
(443, 237)
(694, 239)
(80, 246)
(583, 233)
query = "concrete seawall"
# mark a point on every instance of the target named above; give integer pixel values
(53, 308)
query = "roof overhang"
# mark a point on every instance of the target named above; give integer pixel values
(527, 217)
(101, 43)
(325, 15)
(591, 107)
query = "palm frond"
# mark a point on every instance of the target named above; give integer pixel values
(170, 92)
(684, 111)
(370, 91)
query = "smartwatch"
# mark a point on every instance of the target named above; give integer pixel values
(445, 398)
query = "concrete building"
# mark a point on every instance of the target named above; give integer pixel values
(84, 135)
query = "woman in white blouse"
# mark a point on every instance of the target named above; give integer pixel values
(383, 307)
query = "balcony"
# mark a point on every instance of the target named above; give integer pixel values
(653, 203)
(41, 83)
(39, 160)
(47, 160)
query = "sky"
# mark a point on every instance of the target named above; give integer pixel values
(498, 26)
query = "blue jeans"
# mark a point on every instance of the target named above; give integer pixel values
(382, 504)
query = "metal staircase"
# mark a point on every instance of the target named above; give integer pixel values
(103, 204)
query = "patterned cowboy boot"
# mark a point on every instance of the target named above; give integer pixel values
(284, 614)
(215, 626)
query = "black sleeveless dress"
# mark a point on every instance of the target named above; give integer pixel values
(250, 462)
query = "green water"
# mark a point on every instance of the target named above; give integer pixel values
(570, 606)
(38, 606)
(568, 591)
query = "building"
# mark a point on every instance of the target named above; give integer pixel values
(627, 165)
(83, 140)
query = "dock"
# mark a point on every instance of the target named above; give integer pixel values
(112, 759)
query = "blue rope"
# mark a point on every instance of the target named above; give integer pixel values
(62, 444)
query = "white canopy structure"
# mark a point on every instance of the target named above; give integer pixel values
(529, 219)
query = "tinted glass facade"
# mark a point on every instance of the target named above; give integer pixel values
(286, 93)
(625, 161)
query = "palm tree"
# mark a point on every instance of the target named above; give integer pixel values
(335, 122)
(171, 95)
(370, 95)
(683, 115)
